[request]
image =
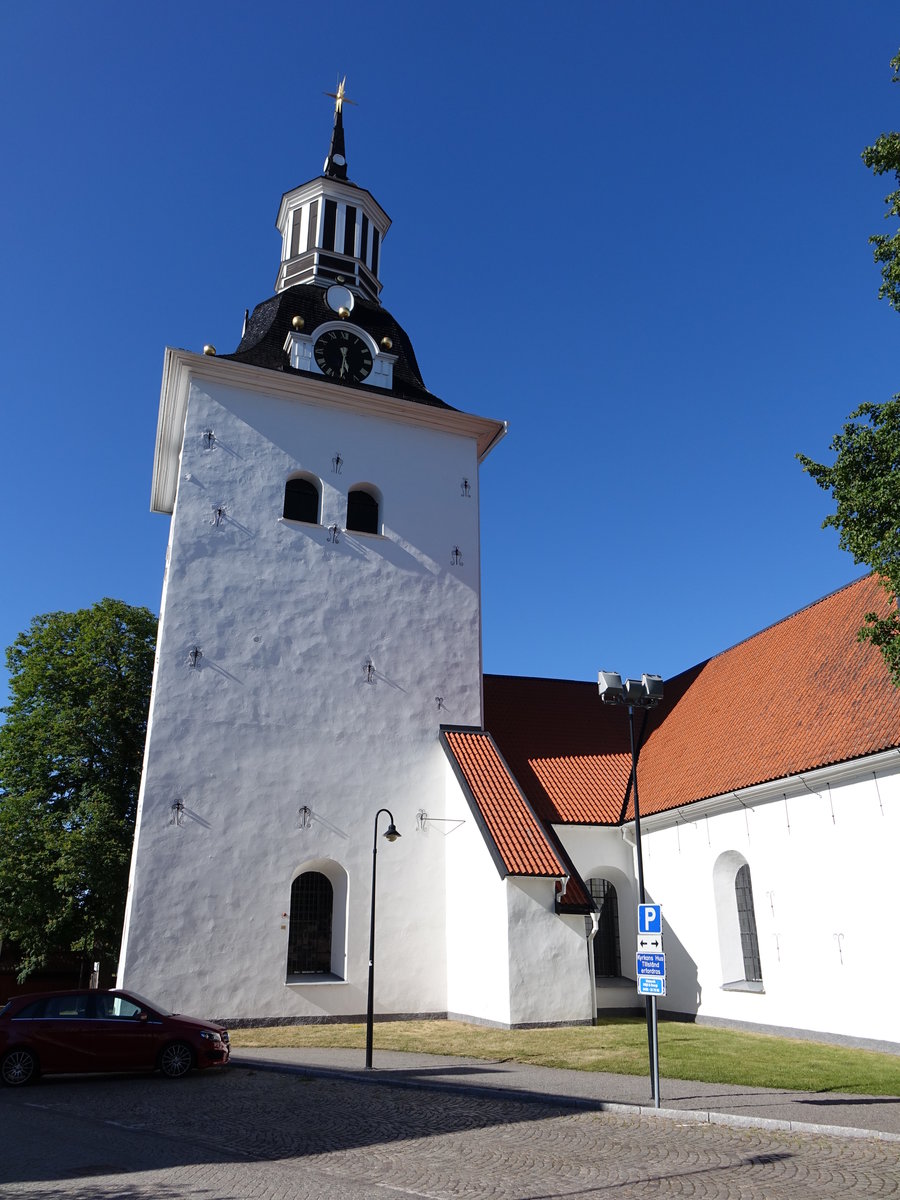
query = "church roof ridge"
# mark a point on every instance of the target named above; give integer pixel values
(540, 678)
(799, 695)
(798, 612)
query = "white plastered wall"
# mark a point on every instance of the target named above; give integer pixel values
(511, 959)
(549, 980)
(277, 712)
(478, 967)
(601, 852)
(823, 866)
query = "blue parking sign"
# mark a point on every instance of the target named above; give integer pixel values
(649, 918)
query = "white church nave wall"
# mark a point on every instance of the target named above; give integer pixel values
(822, 867)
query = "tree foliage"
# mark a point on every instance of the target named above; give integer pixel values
(865, 477)
(865, 484)
(883, 158)
(70, 765)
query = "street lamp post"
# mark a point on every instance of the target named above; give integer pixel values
(644, 693)
(391, 833)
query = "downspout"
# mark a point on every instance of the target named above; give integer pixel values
(592, 982)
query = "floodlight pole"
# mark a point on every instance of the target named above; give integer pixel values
(612, 692)
(649, 1001)
(637, 808)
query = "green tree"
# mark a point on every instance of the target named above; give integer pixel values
(884, 159)
(864, 480)
(70, 765)
(865, 484)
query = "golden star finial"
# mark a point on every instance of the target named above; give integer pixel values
(339, 97)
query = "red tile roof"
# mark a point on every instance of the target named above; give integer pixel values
(569, 753)
(516, 833)
(799, 695)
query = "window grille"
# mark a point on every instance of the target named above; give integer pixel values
(309, 937)
(607, 951)
(743, 890)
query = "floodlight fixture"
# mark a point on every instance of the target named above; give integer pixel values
(653, 688)
(645, 692)
(610, 684)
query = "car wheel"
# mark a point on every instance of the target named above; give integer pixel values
(19, 1067)
(176, 1060)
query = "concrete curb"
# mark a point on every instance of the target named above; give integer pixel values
(529, 1096)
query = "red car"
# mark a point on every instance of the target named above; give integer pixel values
(80, 1031)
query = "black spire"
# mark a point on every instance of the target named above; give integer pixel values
(336, 162)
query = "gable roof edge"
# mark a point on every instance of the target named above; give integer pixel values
(489, 839)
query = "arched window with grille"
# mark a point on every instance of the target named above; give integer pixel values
(743, 891)
(607, 952)
(736, 919)
(301, 501)
(362, 511)
(310, 932)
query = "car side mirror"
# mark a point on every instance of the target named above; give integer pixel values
(142, 1016)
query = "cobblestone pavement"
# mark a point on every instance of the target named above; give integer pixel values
(243, 1135)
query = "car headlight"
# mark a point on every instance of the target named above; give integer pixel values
(209, 1035)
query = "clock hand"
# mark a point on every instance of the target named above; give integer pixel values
(345, 366)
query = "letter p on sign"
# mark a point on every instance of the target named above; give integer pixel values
(649, 918)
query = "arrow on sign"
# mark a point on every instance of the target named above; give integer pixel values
(649, 943)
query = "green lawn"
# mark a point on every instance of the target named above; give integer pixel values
(620, 1045)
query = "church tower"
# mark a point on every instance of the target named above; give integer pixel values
(320, 621)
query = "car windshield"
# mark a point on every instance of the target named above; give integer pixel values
(145, 1003)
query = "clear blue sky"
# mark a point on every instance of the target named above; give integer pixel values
(635, 230)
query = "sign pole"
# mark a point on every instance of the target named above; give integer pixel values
(651, 979)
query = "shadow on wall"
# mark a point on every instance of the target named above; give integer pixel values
(619, 997)
(683, 992)
(616, 946)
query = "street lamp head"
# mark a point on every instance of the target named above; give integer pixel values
(610, 684)
(392, 832)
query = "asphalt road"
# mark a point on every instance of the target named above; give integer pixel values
(241, 1134)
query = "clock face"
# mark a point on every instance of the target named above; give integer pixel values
(342, 355)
